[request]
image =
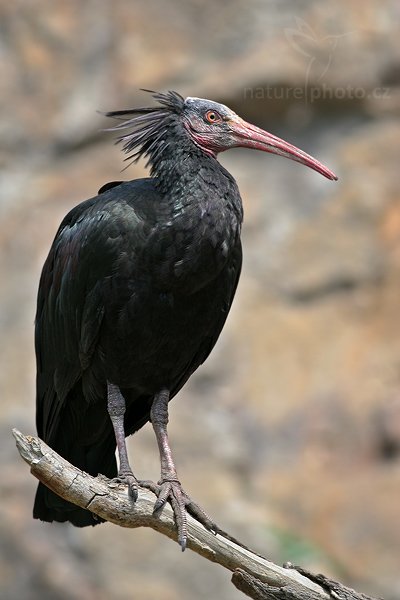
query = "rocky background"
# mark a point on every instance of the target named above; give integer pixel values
(289, 436)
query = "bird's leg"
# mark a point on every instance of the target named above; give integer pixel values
(116, 409)
(169, 487)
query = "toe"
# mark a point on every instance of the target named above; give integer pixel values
(163, 495)
(150, 485)
(130, 481)
(133, 489)
(200, 515)
(171, 490)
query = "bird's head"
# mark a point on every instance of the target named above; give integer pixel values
(211, 126)
(215, 128)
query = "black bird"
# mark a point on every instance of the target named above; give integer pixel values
(135, 292)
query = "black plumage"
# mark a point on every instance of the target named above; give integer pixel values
(135, 292)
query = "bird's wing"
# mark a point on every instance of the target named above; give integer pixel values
(70, 306)
(223, 296)
(68, 316)
(109, 186)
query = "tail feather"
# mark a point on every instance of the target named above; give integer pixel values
(50, 507)
(86, 439)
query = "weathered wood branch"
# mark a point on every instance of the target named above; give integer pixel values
(259, 590)
(254, 575)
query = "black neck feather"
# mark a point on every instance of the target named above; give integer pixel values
(154, 132)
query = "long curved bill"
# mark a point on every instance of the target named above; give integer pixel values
(250, 136)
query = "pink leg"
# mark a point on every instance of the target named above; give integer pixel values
(169, 486)
(116, 409)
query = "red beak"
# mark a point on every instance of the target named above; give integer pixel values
(250, 136)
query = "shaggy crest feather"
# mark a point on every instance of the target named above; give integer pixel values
(147, 126)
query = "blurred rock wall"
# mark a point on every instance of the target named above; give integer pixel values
(295, 419)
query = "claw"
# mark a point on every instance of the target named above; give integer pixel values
(172, 491)
(158, 506)
(163, 494)
(129, 480)
(132, 492)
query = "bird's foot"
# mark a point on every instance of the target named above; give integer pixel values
(170, 489)
(126, 478)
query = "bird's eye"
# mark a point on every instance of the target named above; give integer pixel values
(212, 116)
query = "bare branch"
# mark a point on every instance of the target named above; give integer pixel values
(258, 590)
(253, 574)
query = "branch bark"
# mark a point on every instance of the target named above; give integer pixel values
(254, 575)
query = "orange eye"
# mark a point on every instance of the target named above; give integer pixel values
(213, 117)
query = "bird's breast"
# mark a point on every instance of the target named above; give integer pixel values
(191, 249)
(183, 237)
